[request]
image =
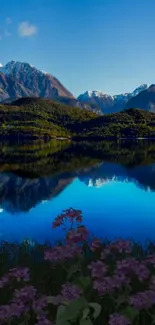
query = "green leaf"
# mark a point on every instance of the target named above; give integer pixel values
(153, 320)
(130, 313)
(73, 310)
(62, 322)
(83, 281)
(86, 321)
(120, 300)
(74, 268)
(85, 313)
(97, 309)
(61, 309)
(50, 299)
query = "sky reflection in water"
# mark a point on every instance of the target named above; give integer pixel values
(115, 209)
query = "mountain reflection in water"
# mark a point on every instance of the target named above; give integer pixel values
(113, 183)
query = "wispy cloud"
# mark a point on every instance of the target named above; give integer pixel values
(0, 37)
(26, 29)
(7, 34)
(8, 20)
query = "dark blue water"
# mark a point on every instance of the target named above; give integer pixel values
(116, 201)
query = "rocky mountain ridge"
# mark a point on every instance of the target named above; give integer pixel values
(108, 103)
(19, 79)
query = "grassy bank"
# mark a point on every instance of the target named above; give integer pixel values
(80, 280)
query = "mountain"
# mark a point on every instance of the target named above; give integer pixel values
(18, 79)
(11, 88)
(144, 100)
(38, 118)
(99, 99)
(29, 81)
(108, 103)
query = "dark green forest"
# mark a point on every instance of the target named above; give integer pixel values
(41, 118)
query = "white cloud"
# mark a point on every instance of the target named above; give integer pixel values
(7, 34)
(8, 20)
(26, 29)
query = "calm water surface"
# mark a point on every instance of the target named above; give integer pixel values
(113, 184)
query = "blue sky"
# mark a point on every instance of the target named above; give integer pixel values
(106, 45)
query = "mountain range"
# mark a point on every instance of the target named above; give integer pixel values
(18, 79)
(108, 103)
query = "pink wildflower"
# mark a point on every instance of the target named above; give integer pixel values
(143, 300)
(98, 269)
(117, 319)
(77, 235)
(61, 253)
(96, 243)
(70, 214)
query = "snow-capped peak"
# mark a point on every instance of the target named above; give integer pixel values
(98, 182)
(93, 94)
(139, 89)
(98, 93)
(44, 72)
(14, 67)
(1, 65)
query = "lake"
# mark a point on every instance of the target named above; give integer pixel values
(113, 183)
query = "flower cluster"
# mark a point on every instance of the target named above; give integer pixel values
(143, 300)
(25, 300)
(105, 284)
(20, 274)
(62, 253)
(108, 284)
(69, 292)
(132, 266)
(69, 214)
(24, 294)
(117, 319)
(95, 244)
(150, 259)
(77, 235)
(119, 246)
(98, 269)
